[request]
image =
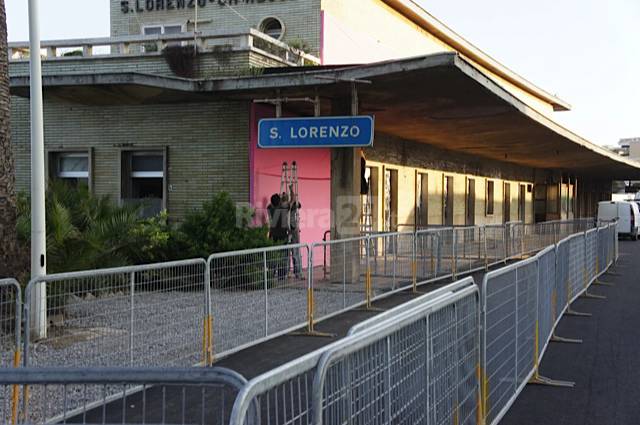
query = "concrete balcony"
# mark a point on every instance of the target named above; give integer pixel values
(218, 54)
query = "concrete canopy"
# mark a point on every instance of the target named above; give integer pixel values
(440, 100)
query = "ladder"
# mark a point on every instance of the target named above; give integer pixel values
(366, 221)
(289, 184)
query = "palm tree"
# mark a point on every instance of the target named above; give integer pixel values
(11, 260)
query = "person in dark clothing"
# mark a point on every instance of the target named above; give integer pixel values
(279, 232)
(294, 208)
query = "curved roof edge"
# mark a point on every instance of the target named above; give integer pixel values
(421, 17)
(468, 68)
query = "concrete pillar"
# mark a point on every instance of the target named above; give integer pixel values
(345, 206)
(345, 193)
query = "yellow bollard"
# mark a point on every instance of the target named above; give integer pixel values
(207, 341)
(479, 403)
(368, 287)
(456, 414)
(310, 310)
(15, 396)
(484, 387)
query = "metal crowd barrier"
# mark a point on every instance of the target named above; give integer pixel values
(410, 305)
(343, 283)
(522, 304)
(255, 295)
(429, 341)
(468, 249)
(10, 342)
(194, 310)
(122, 395)
(151, 315)
(420, 367)
(434, 251)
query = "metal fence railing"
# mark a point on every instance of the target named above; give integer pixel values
(469, 249)
(391, 261)
(434, 252)
(413, 363)
(186, 312)
(412, 304)
(522, 304)
(10, 342)
(419, 367)
(459, 354)
(123, 395)
(343, 282)
(256, 294)
(10, 322)
(152, 315)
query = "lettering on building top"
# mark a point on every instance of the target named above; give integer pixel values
(139, 6)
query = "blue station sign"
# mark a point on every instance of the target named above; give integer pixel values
(316, 132)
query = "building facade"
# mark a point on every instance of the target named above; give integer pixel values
(166, 110)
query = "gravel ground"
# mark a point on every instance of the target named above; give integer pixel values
(167, 331)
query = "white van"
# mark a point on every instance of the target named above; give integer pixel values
(627, 214)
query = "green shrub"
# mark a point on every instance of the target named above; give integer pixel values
(85, 232)
(218, 227)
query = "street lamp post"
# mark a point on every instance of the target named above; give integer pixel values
(38, 231)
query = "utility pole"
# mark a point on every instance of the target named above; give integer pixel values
(38, 230)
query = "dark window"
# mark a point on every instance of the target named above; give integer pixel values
(144, 180)
(273, 27)
(390, 200)
(447, 201)
(506, 210)
(422, 199)
(522, 202)
(72, 167)
(160, 30)
(471, 203)
(490, 197)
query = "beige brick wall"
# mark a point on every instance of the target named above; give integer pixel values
(208, 144)
(409, 158)
(301, 18)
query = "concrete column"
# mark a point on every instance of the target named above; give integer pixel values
(345, 193)
(345, 206)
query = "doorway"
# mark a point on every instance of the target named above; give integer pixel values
(506, 203)
(390, 200)
(447, 201)
(470, 219)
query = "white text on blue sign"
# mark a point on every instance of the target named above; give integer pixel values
(316, 132)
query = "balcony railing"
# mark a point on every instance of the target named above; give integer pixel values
(136, 45)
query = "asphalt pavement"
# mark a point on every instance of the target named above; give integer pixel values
(605, 367)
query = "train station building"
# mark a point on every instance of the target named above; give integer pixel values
(166, 110)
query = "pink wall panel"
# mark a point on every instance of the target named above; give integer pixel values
(314, 174)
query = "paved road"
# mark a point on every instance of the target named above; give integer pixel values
(605, 368)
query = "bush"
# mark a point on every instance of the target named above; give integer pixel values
(85, 231)
(218, 227)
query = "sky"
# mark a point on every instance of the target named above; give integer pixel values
(587, 52)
